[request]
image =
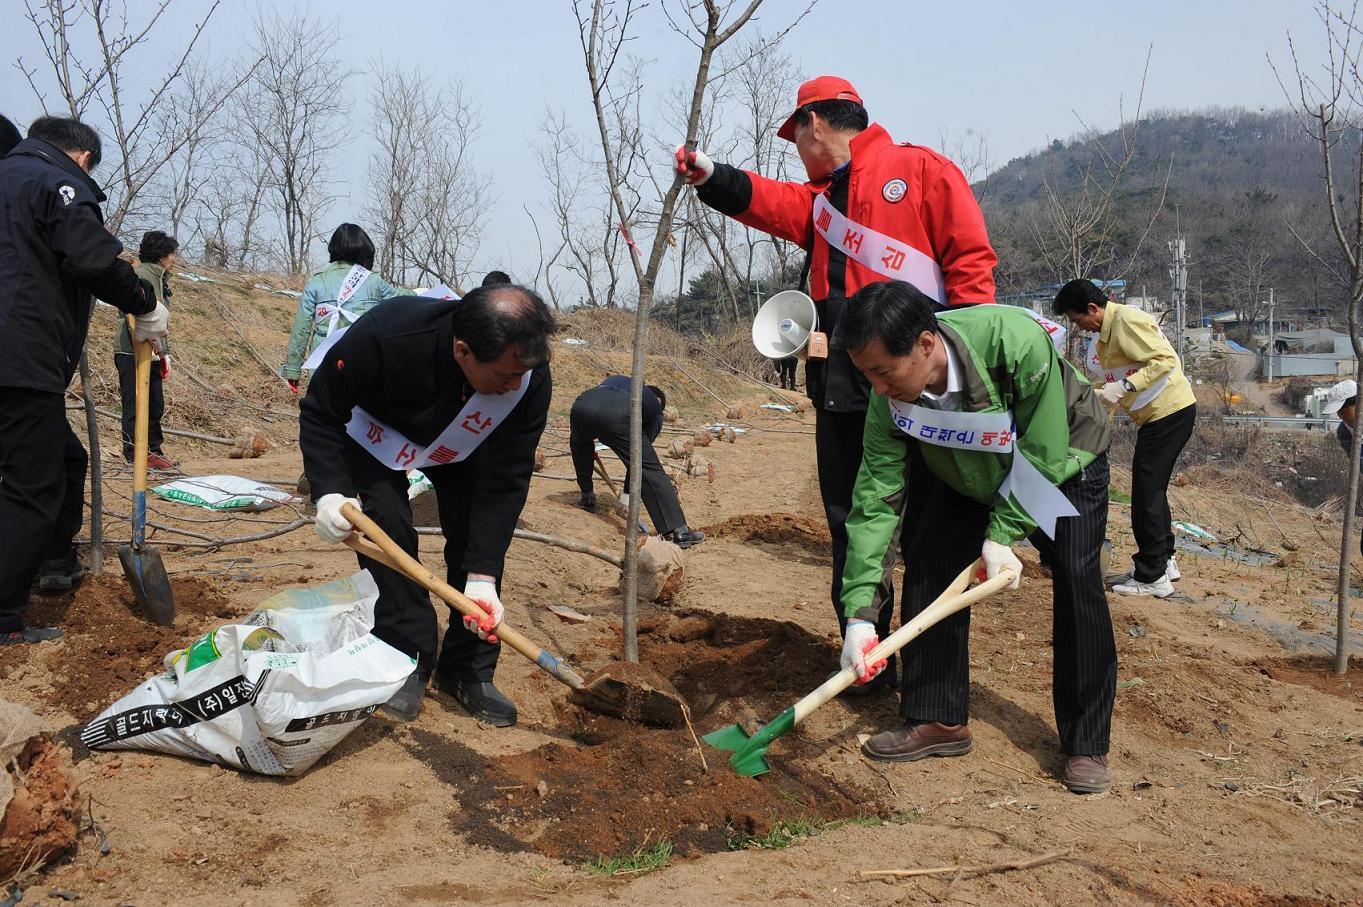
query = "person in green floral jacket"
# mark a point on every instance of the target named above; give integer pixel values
(333, 299)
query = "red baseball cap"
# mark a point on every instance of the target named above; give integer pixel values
(823, 88)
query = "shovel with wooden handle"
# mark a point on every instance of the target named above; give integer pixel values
(142, 563)
(628, 697)
(377, 545)
(749, 751)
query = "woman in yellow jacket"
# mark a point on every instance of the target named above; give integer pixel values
(1139, 370)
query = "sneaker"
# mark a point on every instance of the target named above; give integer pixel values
(30, 635)
(1171, 570)
(1160, 588)
(1087, 775)
(685, 537)
(588, 502)
(159, 461)
(481, 699)
(406, 702)
(918, 741)
(61, 575)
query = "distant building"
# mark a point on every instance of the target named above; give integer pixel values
(1319, 353)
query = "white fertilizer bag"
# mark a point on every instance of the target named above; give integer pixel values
(223, 493)
(269, 695)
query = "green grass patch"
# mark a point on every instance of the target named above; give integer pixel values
(645, 859)
(1116, 494)
(787, 831)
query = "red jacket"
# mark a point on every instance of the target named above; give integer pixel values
(935, 212)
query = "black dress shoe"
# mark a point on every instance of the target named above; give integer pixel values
(685, 537)
(61, 575)
(30, 635)
(406, 702)
(482, 700)
(588, 501)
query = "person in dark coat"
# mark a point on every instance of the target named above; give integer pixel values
(459, 389)
(54, 253)
(603, 412)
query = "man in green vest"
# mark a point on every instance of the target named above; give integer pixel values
(979, 397)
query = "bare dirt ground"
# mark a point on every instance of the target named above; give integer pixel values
(1238, 758)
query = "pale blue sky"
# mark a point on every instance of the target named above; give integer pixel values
(1014, 71)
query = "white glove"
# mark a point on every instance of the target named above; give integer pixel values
(1111, 393)
(485, 594)
(999, 557)
(858, 641)
(330, 525)
(694, 166)
(153, 326)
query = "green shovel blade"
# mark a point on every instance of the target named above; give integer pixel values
(749, 753)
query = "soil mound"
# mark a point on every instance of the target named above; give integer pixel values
(776, 529)
(109, 648)
(616, 786)
(43, 818)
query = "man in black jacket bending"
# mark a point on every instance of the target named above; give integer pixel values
(54, 253)
(603, 412)
(460, 390)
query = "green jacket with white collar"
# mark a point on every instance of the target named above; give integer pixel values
(1008, 363)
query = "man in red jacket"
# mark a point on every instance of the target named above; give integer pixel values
(872, 210)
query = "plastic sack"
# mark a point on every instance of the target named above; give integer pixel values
(270, 695)
(223, 493)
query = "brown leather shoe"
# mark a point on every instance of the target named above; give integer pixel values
(918, 741)
(1087, 775)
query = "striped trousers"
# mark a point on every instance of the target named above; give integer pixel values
(943, 540)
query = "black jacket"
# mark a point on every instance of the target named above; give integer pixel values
(397, 362)
(54, 253)
(652, 409)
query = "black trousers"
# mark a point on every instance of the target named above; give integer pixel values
(604, 414)
(127, 386)
(785, 372)
(403, 617)
(838, 447)
(42, 492)
(936, 680)
(1158, 445)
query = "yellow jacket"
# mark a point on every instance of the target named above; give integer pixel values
(1130, 337)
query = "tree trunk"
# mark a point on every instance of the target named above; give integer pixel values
(1346, 542)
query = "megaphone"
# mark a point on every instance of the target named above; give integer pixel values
(786, 324)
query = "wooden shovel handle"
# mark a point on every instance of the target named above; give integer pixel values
(954, 598)
(142, 407)
(377, 545)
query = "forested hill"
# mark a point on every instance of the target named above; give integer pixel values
(1236, 181)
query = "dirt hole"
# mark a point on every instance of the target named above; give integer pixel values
(609, 787)
(786, 534)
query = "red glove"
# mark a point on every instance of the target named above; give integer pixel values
(694, 166)
(293, 384)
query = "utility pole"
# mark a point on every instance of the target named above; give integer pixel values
(1178, 273)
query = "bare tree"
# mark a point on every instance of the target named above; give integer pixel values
(427, 204)
(1075, 235)
(87, 44)
(1329, 101)
(294, 114)
(604, 30)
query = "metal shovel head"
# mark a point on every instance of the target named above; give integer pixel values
(728, 738)
(750, 751)
(151, 586)
(635, 693)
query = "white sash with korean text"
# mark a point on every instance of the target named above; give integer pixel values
(988, 433)
(332, 313)
(481, 416)
(883, 254)
(1095, 368)
(896, 260)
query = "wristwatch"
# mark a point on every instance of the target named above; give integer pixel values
(1128, 386)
